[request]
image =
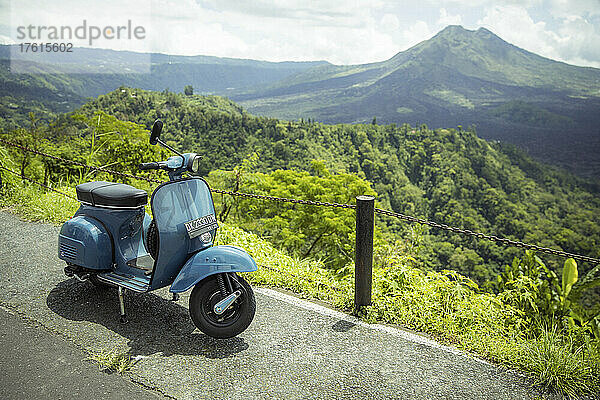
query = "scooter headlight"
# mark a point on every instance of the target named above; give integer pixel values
(194, 164)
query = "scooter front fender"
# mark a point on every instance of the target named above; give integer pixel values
(214, 260)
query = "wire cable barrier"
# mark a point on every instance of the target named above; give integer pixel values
(408, 218)
(36, 182)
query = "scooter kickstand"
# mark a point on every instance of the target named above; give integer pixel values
(123, 318)
(175, 297)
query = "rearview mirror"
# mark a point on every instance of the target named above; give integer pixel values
(156, 129)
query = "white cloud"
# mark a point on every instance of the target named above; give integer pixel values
(300, 9)
(416, 33)
(447, 19)
(576, 40)
(514, 25)
(88, 15)
(389, 23)
(343, 32)
(484, 3)
(289, 30)
(564, 8)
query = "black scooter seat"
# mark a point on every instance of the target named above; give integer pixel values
(111, 195)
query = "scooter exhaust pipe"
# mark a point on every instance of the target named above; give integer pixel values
(69, 272)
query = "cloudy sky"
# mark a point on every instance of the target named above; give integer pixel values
(341, 32)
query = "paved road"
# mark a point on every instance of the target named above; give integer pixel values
(293, 349)
(35, 364)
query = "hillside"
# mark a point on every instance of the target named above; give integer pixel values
(47, 90)
(446, 175)
(206, 74)
(458, 77)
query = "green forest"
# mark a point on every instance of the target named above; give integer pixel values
(445, 175)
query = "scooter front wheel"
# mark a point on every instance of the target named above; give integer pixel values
(234, 320)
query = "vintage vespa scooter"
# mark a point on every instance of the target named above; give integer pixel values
(111, 240)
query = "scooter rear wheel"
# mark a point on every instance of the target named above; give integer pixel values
(233, 321)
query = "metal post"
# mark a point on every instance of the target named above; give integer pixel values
(365, 224)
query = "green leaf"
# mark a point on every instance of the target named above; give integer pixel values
(569, 276)
(589, 281)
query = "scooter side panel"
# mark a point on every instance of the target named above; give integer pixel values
(212, 261)
(124, 228)
(83, 241)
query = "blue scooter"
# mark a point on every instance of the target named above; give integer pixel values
(111, 240)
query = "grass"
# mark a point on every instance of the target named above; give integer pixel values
(444, 304)
(278, 269)
(558, 362)
(112, 360)
(29, 201)
(36, 206)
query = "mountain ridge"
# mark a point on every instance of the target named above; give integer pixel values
(47, 90)
(458, 77)
(449, 37)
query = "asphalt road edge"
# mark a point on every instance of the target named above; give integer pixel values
(130, 375)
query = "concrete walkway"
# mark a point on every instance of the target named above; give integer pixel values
(294, 349)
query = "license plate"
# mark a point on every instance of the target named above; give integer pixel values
(201, 225)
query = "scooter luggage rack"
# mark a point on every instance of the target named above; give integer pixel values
(131, 282)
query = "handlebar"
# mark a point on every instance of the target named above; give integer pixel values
(189, 163)
(149, 165)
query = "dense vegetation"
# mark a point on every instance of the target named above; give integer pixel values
(447, 175)
(44, 95)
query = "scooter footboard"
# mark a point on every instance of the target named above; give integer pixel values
(214, 260)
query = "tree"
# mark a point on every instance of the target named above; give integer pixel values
(188, 90)
(304, 230)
